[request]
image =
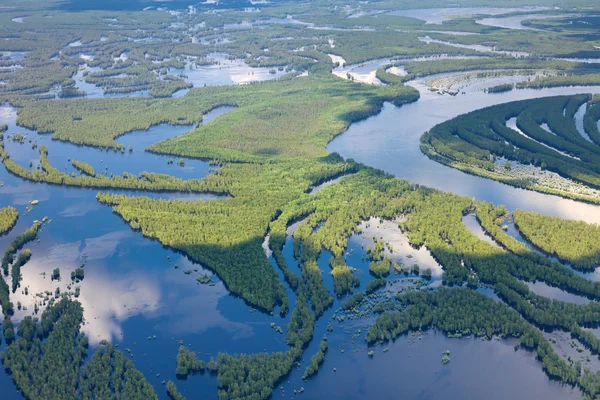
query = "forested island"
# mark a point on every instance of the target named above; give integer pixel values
(259, 92)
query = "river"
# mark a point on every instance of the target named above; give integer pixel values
(390, 141)
(132, 290)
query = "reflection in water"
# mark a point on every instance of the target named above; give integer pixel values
(438, 15)
(475, 47)
(515, 21)
(224, 72)
(545, 290)
(470, 221)
(390, 141)
(399, 248)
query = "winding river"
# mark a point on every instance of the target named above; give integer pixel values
(135, 289)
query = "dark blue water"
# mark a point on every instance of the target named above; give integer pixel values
(133, 291)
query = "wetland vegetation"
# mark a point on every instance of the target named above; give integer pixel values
(542, 134)
(269, 161)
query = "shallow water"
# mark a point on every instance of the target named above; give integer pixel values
(131, 288)
(470, 221)
(390, 141)
(515, 21)
(226, 72)
(439, 15)
(477, 370)
(475, 47)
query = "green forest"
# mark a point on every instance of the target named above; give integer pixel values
(268, 156)
(574, 242)
(474, 143)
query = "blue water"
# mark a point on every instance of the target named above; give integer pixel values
(133, 291)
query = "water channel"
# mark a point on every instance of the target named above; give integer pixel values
(133, 290)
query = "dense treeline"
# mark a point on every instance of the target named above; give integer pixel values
(284, 125)
(145, 181)
(466, 312)
(47, 360)
(574, 242)
(252, 376)
(418, 68)
(473, 141)
(387, 77)
(590, 122)
(305, 122)
(18, 242)
(173, 393)
(188, 363)
(8, 218)
(84, 167)
(226, 235)
(533, 265)
(15, 274)
(316, 360)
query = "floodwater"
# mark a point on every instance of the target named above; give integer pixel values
(135, 289)
(225, 72)
(390, 141)
(439, 15)
(475, 47)
(515, 21)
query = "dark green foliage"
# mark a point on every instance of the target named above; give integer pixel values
(84, 167)
(587, 338)
(252, 376)
(353, 301)
(7, 305)
(574, 242)
(8, 330)
(507, 87)
(531, 265)
(78, 274)
(389, 78)
(173, 393)
(316, 360)
(110, 374)
(55, 274)
(46, 361)
(188, 363)
(473, 141)
(27, 236)
(460, 312)
(590, 122)
(375, 284)
(15, 274)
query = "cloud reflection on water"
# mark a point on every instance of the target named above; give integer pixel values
(115, 288)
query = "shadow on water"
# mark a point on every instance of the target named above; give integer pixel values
(132, 289)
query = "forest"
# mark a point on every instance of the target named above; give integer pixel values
(574, 242)
(47, 360)
(8, 218)
(271, 159)
(545, 138)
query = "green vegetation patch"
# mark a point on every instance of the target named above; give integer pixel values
(47, 360)
(545, 137)
(574, 242)
(8, 218)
